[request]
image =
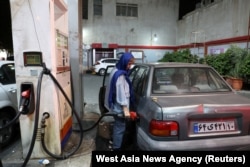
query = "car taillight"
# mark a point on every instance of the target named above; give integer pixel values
(97, 63)
(163, 128)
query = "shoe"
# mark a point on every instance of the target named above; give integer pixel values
(110, 148)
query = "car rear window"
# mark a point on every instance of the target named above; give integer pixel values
(114, 61)
(187, 80)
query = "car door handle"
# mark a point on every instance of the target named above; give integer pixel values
(12, 90)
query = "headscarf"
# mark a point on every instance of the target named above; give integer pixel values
(121, 67)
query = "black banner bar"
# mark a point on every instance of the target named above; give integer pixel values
(170, 158)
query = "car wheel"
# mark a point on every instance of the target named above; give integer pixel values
(6, 134)
(102, 71)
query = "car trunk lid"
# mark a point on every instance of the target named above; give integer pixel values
(206, 116)
(177, 100)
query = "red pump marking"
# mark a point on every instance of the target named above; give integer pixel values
(133, 115)
(26, 94)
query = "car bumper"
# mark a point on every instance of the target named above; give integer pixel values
(227, 143)
(93, 69)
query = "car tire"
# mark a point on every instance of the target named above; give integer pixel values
(6, 134)
(102, 71)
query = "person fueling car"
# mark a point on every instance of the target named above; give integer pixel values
(119, 96)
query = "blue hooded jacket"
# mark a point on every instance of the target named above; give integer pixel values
(121, 70)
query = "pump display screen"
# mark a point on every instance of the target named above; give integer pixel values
(32, 58)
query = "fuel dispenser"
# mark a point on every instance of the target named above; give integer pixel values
(40, 34)
(46, 126)
(43, 38)
(57, 131)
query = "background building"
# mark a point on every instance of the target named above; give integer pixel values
(212, 27)
(150, 28)
(145, 27)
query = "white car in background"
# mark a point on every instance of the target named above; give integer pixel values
(8, 100)
(101, 65)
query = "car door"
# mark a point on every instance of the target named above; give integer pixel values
(8, 82)
(138, 75)
(110, 63)
(101, 96)
(139, 79)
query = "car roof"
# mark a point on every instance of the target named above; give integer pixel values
(5, 62)
(173, 64)
(109, 59)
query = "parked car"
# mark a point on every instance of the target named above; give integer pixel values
(101, 65)
(184, 106)
(8, 100)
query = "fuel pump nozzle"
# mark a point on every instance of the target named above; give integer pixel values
(133, 116)
(24, 99)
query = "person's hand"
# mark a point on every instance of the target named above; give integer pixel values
(126, 112)
(133, 115)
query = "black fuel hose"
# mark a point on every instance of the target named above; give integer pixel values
(104, 115)
(82, 130)
(39, 83)
(62, 157)
(47, 72)
(13, 121)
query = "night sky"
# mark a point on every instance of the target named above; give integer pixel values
(187, 6)
(5, 28)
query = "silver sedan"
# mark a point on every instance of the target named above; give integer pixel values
(184, 106)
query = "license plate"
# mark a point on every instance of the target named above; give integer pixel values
(207, 127)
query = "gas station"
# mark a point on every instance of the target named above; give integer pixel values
(47, 44)
(48, 57)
